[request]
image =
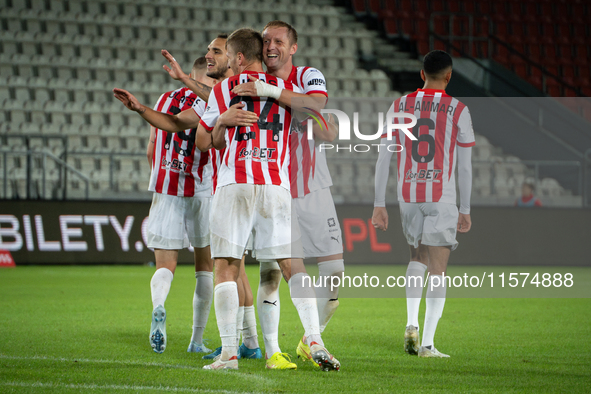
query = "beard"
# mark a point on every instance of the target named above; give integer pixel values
(217, 73)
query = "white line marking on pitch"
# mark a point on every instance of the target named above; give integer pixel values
(86, 386)
(130, 362)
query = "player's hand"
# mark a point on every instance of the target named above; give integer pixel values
(464, 223)
(175, 71)
(128, 99)
(237, 116)
(379, 218)
(247, 88)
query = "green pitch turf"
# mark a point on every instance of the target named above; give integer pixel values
(85, 329)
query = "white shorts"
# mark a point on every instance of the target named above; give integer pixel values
(174, 222)
(239, 211)
(432, 223)
(319, 224)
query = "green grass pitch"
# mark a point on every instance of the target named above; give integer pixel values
(85, 329)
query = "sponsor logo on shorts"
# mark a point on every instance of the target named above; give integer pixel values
(331, 222)
(336, 238)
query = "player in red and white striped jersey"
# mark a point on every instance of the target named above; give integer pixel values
(427, 191)
(253, 198)
(310, 180)
(181, 181)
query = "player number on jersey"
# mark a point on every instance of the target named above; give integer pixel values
(275, 126)
(428, 138)
(190, 138)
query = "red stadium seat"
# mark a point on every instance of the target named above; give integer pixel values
(563, 29)
(549, 51)
(560, 10)
(567, 71)
(578, 29)
(483, 7)
(422, 6)
(358, 7)
(529, 8)
(406, 25)
(533, 31)
(391, 27)
(373, 7)
(437, 6)
(423, 46)
(468, 6)
(533, 52)
(452, 6)
(481, 26)
(480, 49)
(553, 90)
(441, 25)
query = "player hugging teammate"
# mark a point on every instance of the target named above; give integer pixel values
(246, 129)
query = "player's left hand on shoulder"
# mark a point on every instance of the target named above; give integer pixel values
(245, 89)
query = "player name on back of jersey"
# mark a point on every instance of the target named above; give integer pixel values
(427, 105)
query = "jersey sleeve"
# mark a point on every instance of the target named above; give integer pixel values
(212, 111)
(313, 81)
(465, 129)
(199, 107)
(382, 172)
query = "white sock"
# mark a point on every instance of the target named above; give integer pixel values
(160, 285)
(414, 291)
(201, 303)
(435, 300)
(327, 298)
(226, 309)
(239, 324)
(250, 337)
(268, 305)
(304, 299)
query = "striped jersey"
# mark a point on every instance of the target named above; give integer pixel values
(178, 168)
(308, 168)
(259, 154)
(426, 167)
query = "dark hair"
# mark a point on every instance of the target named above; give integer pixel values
(199, 63)
(291, 31)
(223, 36)
(247, 41)
(435, 62)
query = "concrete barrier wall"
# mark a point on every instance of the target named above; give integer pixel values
(38, 232)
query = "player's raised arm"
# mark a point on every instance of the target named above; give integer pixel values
(187, 119)
(176, 72)
(289, 98)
